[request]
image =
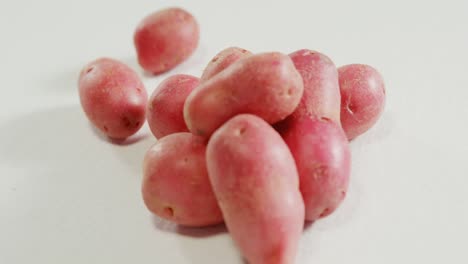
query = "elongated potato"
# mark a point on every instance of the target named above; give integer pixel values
(362, 98)
(176, 184)
(222, 60)
(166, 38)
(321, 96)
(264, 84)
(165, 112)
(113, 97)
(254, 177)
(322, 156)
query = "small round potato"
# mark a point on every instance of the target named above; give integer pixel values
(165, 113)
(165, 38)
(362, 98)
(222, 60)
(113, 97)
(176, 186)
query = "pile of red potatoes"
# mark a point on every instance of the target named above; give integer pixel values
(260, 141)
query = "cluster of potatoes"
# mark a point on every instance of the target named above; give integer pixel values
(259, 141)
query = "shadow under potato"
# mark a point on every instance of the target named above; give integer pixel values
(378, 132)
(195, 232)
(117, 141)
(59, 138)
(192, 65)
(216, 247)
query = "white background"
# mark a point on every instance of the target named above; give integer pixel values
(69, 196)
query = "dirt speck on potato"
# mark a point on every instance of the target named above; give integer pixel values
(168, 212)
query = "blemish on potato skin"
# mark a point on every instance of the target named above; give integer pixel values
(287, 93)
(343, 194)
(349, 107)
(307, 52)
(325, 212)
(320, 172)
(126, 122)
(168, 212)
(200, 132)
(183, 80)
(241, 131)
(90, 69)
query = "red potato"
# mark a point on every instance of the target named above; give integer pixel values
(254, 177)
(166, 38)
(165, 113)
(176, 184)
(222, 60)
(362, 98)
(321, 96)
(322, 156)
(264, 84)
(113, 97)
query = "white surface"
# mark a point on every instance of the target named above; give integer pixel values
(68, 196)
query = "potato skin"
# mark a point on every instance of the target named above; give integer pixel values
(165, 113)
(321, 96)
(222, 60)
(362, 98)
(165, 38)
(323, 160)
(254, 177)
(113, 97)
(267, 85)
(175, 185)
